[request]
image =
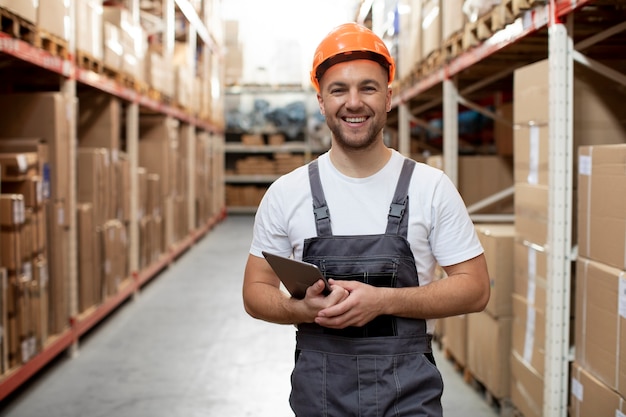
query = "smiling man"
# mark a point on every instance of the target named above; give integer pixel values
(376, 224)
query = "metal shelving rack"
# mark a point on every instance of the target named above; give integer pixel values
(70, 75)
(543, 31)
(301, 147)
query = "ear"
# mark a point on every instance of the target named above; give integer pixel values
(320, 102)
(389, 94)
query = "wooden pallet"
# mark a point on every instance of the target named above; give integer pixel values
(121, 78)
(453, 46)
(54, 45)
(520, 6)
(503, 406)
(17, 26)
(88, 62)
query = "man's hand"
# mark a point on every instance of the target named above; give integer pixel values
(361, 306)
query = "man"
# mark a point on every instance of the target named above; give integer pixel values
(376, 224)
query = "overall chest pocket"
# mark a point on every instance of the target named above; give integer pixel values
(373, 271)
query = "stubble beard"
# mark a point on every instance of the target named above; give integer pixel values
(353, 142)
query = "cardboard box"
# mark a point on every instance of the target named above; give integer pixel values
(112, 49)
(599, 117)
(531, 213)
(4, 358)
(503, 131)
(26, 9)
(158, 149)
(531, 272)
(529, 334)
(526, 388)
(57, 255)
(89, 27)
(489, 351)
(497, 241)
(480, 176)
(431, 26)
(99, 121)
(31, 189)
(45, 116)
(600, 321)
(453, 18)
(590, 397)
(409, 38)
(455, 338)
(88, 269)
(12, 210)
(602, 204)
(93, 182)
(53, 16)
(18, 166)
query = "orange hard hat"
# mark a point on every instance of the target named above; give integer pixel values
(347, 42)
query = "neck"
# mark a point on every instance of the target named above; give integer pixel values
(359, 163)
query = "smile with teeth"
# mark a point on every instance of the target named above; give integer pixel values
(355, 119)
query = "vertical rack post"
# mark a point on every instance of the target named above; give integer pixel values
(451, 130)
(404, 129)
(68, 88)
(132, 148)
(559, 248)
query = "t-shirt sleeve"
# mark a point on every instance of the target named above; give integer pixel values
(270, 232)
(453, 237)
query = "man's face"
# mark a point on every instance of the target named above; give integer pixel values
(354, 98)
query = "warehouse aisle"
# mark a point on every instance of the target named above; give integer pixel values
(184, 347)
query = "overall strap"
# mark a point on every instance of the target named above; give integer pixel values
(320, 207)
(397, 222)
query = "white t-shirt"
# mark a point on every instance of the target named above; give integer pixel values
(440, 229)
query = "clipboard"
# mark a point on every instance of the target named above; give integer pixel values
(295, 275)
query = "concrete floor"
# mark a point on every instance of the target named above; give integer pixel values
(184, 347)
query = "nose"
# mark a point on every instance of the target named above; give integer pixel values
(353, 99)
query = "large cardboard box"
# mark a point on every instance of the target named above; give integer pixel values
(431, 26)
(158, 149)
(45, 116)
(481, 176)
(58, 256)
(453, 18)
(529, 334)
(26, 9)
(590, 397)
(88, 270)
(497, 241)
(526, 388)
(53, 16)
(455, 338)
(99, 121)
(489, 351)
(94, 182)
(409, 38)
(531, 212)
(602, 204)
(599, 116)
(89, 27)
(531, 272)
(599, 322)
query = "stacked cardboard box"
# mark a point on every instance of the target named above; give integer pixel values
(103, 188)
(598, 118)
(45, 116)
(599, 370)
(489, 332)
(125, 42)
(23, 256)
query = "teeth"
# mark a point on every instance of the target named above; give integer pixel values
(355, 119)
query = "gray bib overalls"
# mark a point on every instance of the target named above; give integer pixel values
(384, 368)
